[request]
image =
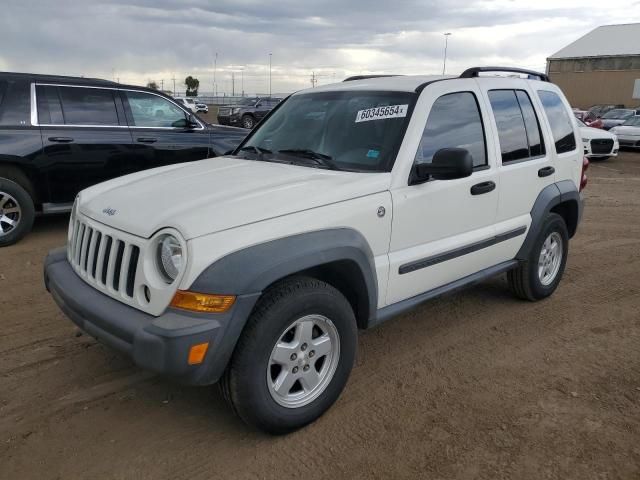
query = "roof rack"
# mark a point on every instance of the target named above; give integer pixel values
(364, 77)
(475, 72)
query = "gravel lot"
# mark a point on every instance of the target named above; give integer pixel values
(473, 385)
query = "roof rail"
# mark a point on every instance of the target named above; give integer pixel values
(364, 77)
(475, 71)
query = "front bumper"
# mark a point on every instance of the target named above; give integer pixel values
(160, 344)
(228, 119)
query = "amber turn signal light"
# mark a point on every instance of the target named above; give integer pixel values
(202, 302)
(197, 353)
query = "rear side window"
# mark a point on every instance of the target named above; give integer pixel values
(561, 124)
(15, 103)
(149, 110)
(88, 106)
(454, 122)
(518, 126)
(49, 108)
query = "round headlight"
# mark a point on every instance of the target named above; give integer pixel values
(169, 257)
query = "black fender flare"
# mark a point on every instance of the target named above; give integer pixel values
(252, 269)
(550, 196)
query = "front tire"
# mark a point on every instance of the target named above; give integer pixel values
(17, 210)
(294, 356)
(538, 276)
(248, 121)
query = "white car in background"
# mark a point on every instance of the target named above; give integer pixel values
(629, 132)
(598, 144)
(188, 102)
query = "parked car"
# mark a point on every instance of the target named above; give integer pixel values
(616, 117)
(600, 109)
(247, 113)
(202, 107)
(257, 269)
(188, 102)
(59, 135)
(597, 143)
(629, 132)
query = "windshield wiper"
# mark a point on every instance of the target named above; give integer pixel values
(320, 158)
(257, 150)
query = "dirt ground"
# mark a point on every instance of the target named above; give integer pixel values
(473, 385)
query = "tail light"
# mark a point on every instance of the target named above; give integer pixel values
(583, 177)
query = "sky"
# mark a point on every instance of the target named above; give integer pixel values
(158, 40)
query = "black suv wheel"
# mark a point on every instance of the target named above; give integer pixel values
(294, 356)
(16, 207)
(248, 121)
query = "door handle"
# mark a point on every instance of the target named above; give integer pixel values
(61, 139)
(484, 187)
(147, 139)
(546, 171)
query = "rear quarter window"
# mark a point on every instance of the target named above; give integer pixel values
(559, 120)
(15, 103)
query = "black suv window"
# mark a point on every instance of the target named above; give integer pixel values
(88, 106)
(518, 127)
(15, 103)
(48, 104)
(561, 124)
(454, 121)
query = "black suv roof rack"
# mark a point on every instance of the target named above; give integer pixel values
(475, 72)
(364, 77)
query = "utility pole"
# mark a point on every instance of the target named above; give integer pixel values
(270, 55)
(162, 85)
(233, 84)
(215, 66)
(446, 42)
(174, 85)
(242, 81)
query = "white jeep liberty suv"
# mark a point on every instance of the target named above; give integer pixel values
(347, 205)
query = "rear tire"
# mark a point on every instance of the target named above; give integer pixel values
(274, 381)
(17, 210)
(538, 276)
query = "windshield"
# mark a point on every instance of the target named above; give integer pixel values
(633, 121)
(248, 102)
(353, 130)
(618, 114)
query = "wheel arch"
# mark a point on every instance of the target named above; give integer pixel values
(340, 257)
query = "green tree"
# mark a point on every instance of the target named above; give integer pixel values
(153, 85)
(192, 86)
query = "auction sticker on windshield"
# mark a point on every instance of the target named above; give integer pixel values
(380, 113)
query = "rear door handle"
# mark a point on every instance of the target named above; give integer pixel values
(147, 139)
(61, 139)
(546, 171)
(484, 187)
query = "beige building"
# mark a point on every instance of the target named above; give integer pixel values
(601, 67)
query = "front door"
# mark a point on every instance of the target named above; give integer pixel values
(158, 130)
(85, 138)
(443, 230)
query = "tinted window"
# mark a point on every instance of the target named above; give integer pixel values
(454, 121)
(49, 108)
(561, 124)
(618, 114)
(88, 106)
(150, 110)
(534, 136)
(511, 129)
(15, 103)
(633, 121)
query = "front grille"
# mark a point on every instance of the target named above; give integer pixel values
(224, 112)
(601, 145)
(106, 261)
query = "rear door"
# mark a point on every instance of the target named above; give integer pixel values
(158, 131)
(85, 137)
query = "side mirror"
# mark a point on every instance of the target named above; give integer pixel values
(447, 164)
(185, 123)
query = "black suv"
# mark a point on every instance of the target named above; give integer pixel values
(248, 112)
(59, 135)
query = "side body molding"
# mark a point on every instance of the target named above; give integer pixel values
(551, 196)
(252, 269)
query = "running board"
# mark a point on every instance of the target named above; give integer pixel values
(49, 208)
(402, 306)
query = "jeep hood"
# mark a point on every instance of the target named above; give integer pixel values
(216, 194)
